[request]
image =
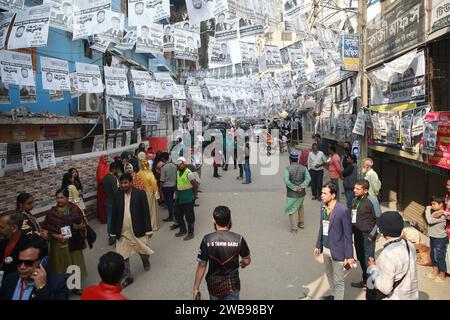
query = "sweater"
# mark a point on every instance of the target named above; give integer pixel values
(437, 228)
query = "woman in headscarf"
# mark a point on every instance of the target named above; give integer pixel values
(145, 180)
(102, 171)
(29, 225)
(74, 196)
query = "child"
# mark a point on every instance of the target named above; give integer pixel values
(436, 218)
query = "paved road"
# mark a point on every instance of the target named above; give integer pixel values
(283, 266)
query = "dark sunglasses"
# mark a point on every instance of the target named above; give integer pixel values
(27, 263)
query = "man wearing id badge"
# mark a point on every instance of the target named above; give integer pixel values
(335, 241)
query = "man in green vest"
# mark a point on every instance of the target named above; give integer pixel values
(187, 189)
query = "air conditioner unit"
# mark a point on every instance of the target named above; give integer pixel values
(89, 103)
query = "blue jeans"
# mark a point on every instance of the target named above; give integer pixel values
(364, 250)
(233, 296)
(248, 173)
(168, 199)
(438, 251)
(109, 218)
(316, 182)
(350, 195)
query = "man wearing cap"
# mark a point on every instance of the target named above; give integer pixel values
(187, 190)
(297, 178)
(394, 273)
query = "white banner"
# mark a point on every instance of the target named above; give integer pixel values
(28, 153)
(360, 124)
(3, 158)
(99, 144)
(226, 27)
(273, 57)
(30, 28)
(220, 6)
(200, 10)
(46, 154)
(11, 5)
(119, 114)
(116, 81)
(91, 17)
(143, 83)
(150, 113)
(16, 68)
(185, 46)
(5, 22)
(295, 8)
(55, 74)
(150, 39)
(189, 26)
(89, 78)
(128, 42)
(61, 14)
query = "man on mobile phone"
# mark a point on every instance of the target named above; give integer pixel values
(33, 281)
(222, 250)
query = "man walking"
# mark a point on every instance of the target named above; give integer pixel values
(168, 182)
(350, 174)
(110, 187)
(316, 160)
(297, 179)
(222, 250)
(131, 225)
(334, 241)
(364, 219)
(187, 191)
(335, 168)
(248, 173)
(371, 176)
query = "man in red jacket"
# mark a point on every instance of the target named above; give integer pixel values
(111, 269)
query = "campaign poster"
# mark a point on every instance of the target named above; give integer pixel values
(91, 17)
(89, 78)
(28, 152)
(5, 22)
(116, 28)
(227, 27)
(3, 158)
(185, 46)
(116, 81)
(16, 68)
(55, 74)
(273, 57)
(129, 41)
(143, 83)
(150, 113)
(46, 154)
(61, 14)
(99, 144)
(219, 53)
(200, 10)
(12, 5)
(150, 39)
(119, 114)
(55, 95)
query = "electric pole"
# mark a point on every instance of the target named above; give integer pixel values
(363, 100)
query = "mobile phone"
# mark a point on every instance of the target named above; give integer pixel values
(347, 266)
(43, 262)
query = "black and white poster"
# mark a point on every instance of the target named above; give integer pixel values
(392, 128)
(4, 93)
(160, 9)
(74, 85)
(164, 90)
(91, 17)
(317, 57)
(28, 152)
(116, 28)
(360, 124)
(30, 28)
(189, 26)
(178, 107)
(248, 28)
(119, 138)
(5, 22)
(99, 144)
(273, 57)
(110, 142)
(144, 83)
(179, 92)
(296, 57)
(150, 39)
(3, 158)
(185, 46)
(406, 129)
(116, 81)
(61, 14)
(89, 78)
(418, 120)
(295, 8)
(55, 74)
(54, 95)
(226, 26)
(220, 6)
(168, 38)
(139, 13)
(430, 137)
(249, 58)
(200, 10)
(128, 42)
(99, 43)
(27, 94)
(219, 53)
(127, 138)
(46, 154)
(11, 5)
(119, 114)
(150, 113)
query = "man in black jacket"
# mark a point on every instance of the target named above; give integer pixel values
(131, 226)
(364, 220)
(32, 281)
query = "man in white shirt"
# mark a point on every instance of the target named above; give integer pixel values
(316, 160)
(371, 176)
(395, 272)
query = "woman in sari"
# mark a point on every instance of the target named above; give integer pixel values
(102, 171)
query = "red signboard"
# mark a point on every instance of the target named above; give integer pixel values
(441, 157)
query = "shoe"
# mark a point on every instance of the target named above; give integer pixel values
(439, 280)
(168, 219)
(301, 225)
(327, 298)
(174, 226)
(111, 242)
(190, 236)
(245, 182)
(359, 285)
(77, 292)
(196, 205)
(147, 265)
(180, 234)
(127, 282)
(238, 178)
(429, 275)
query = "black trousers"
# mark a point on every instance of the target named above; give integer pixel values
(241, 170)
(185, 210)
(364, 250)
(216, 171)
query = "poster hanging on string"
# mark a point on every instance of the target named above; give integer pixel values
(185, 46)
(218, 53)
(406, 129)
(143, 83)
(3, 158)
(61, 14)
(178, 107)
(392, 128)
(249, 58)
(150, 39)
(16, 68)
(200, 10)
(28, 154)
(12, 5)
(168, 39)
(360, 124)
(150, 113)
(89, 78)
(164, 90)
(160, 9)
(110, 142)
(420, 114)
(99, 144)
(46, 154)
(296, 58)
(91, 17)
(273, 57)
(119, 138)
(116, 28)
(295, 8)
(54, 95)
(99, 43)
(179, 92)
(226, 27)
(247, 28)
(116, 81)
(128, 42)
(430, 137)
(220, 6)
(138, 13)
(5, 22)
(440, 136)
(55, 74)
(74, 85)
(127, 138)
(139, 135)
(119, 114)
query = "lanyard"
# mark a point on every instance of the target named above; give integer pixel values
(325, 214)
(359, 202)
